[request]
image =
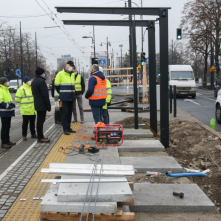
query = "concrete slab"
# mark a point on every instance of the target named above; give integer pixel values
(141, 133)
(141, 145)
(50, 204)
(159, 198)
(111, 156)
(108, 192)
(156, 164)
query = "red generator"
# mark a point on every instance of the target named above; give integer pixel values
(109, 135)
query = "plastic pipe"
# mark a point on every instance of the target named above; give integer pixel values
(184, 174)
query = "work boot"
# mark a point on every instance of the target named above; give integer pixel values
(6, 146)
(71, 131)
(11, 143)
(66, 132)
(44, 140)
(34, 136)
(24, 138)
(57, 122)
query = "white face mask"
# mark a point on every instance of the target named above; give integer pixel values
(7, 85)
(29, 83)
(43, 75)
(70, 68)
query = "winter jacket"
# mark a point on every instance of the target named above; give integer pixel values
(40, 94)
(25, 100)
(91, 84)
(7, 108)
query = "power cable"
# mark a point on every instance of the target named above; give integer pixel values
(24, 16)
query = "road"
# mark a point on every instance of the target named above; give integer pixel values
(202, 107)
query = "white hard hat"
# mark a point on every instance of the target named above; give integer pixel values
(100, 69)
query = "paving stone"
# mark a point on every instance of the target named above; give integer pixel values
(141, 146)
(159, 198)
(108, 192)
(155, 164)
(51, 204)
(141, 133)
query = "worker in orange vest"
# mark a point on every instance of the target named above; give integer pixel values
(96, 92)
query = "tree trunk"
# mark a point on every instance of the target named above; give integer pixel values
(204, 84)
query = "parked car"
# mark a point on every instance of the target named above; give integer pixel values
(218, 107)
(14, 85)
(217, 87)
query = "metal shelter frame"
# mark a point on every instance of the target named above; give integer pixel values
(163, 24)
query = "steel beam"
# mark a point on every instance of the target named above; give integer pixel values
(140, 23)
(135, 74)
(152, 76)
(164, 103)
(103, 180)
(111, 10)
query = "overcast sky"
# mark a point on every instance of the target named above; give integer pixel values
(54, 42)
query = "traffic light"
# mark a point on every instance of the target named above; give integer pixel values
(143, 58)
(94, 60)
(179, 33)
(109, 66)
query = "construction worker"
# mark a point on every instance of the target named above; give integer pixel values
(105, 113)
(25, 100)
(97, 92)
(79, 90)
(7, 110)
(64, 83)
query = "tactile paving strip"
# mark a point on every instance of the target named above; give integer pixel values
(29, 210)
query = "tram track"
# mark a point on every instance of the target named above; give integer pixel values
(19, 140)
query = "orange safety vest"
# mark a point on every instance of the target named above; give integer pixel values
(100, 89)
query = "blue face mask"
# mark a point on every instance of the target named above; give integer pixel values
(75, 73)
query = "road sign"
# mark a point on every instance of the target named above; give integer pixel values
(102, 62)
(139, 68)
(213, 69)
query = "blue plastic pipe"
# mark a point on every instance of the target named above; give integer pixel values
(184, 174)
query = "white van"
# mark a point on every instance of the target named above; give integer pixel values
(14, 85)
(183, 77)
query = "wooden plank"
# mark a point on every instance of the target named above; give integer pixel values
(129, 203)
(127, 216)
(131, 184)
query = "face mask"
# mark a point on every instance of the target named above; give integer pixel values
(43, 75)
(29, 83)
(75, 73)
(70, 68)
(7, 85)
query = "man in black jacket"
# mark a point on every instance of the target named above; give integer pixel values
(41, 102)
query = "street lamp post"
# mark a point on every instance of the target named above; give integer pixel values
(93, 39)
(108, 44)
(121, 55)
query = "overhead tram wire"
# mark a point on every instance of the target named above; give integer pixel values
(72, 41)
(24, 16)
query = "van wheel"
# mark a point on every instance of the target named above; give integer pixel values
(218, 114)
(194, 96)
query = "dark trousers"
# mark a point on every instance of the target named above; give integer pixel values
(97, 113)
(67, 114)
(6, 124)
(105, 116)
(26, 119)
(40, 122)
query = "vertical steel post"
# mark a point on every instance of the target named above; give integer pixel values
(130, 36)
(36, 49)
(212, 63)
(94, 41)
(152, 76)
(174, 100)
(171, 99)
(164, 104)
(135, 76)
(21, 54)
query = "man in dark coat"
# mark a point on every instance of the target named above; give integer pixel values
(41, 102)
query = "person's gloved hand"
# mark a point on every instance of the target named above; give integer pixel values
(49, 109)
(10, 106)
(108, 104)
(13, 105)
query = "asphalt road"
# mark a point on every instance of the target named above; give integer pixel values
(202, 107)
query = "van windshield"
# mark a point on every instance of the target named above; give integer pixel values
(12, 83)
(182, 75)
